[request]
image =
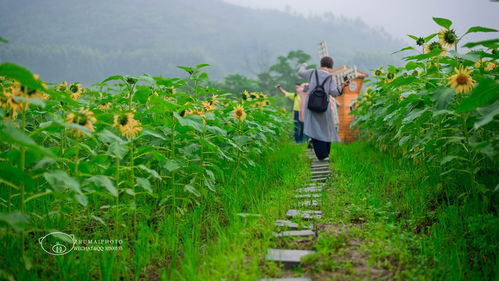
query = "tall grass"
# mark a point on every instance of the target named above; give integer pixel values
(457, 238)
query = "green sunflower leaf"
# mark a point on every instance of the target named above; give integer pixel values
(3, 40)
(492, 43)
(404, 49)
(145, 184)
(191, 189)
(18, 221)
(488, 113)
(14, 136)
(114, 77)
(21, 74)
(103, 181)
(199, 66)
(413, 37)
(443, 22)
(480, 29)
(429, 37)
(61, 181)
(485, 93)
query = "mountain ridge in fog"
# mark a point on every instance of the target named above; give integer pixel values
(90, 40)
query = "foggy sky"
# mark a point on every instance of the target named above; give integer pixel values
(397, 17)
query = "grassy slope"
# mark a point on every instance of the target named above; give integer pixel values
(196, 249)
(238, 253)
(386, 221)
(70, 40)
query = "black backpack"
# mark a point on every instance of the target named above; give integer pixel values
(318, 99)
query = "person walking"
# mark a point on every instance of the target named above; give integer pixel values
(320, 126)
(297, 101)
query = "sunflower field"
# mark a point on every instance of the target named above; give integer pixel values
(131, 154)
(440, 113)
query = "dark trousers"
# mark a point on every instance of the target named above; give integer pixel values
(321, 148)
(298, 128)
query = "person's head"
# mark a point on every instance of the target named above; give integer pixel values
(327, 62)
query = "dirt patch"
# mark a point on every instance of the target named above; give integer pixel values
(305, 243)
(340, 255)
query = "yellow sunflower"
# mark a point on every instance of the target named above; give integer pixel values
(378, 72)
(84, 118)
(490, 66)
(127, 125)
(105, 105)
(214, 100)
(390, 76)
(75, 90)
(435, 45)
(246, 95)
(62, 87)
(239, 113)
(11, 100)
(208, 106)
(478, 63)
(461, 80)
(194, 112)
(447, 38)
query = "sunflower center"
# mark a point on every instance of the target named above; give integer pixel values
(80, 119)
(390, 75)
(123, 120)
(73, 88)
(239, 113)
(377, 72)
(434, 45)
(462, 79)
(450, 37)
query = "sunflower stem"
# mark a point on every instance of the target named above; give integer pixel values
(117, 202)
(132, 180)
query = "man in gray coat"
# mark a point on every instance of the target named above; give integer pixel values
(320, 126)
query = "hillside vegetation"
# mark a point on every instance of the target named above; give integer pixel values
(87, 41)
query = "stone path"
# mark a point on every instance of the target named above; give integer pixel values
(298, 223)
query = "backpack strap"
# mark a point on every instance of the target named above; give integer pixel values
(324, 82)
(316, 77)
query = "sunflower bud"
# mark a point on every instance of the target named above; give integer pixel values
(131, 80)
(420, 41)
(447, 37)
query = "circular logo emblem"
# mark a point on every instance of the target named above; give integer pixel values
(57, 243)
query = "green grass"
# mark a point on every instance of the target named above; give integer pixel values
(391, 213)
(206, 241)
(238, 252)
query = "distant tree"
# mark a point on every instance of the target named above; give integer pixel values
(236, 83)
(285, 71)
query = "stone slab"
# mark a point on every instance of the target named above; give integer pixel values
(320, 164)
(320, 170)
(310, 195)
(304, 214)
(315, 184)
(294, 233)
(325, 172)
(287, 279)
(309, 203)
(319, 178)
(309, 189)
(292, 225)
(289, 258)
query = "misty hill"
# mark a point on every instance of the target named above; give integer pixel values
(92, 39)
